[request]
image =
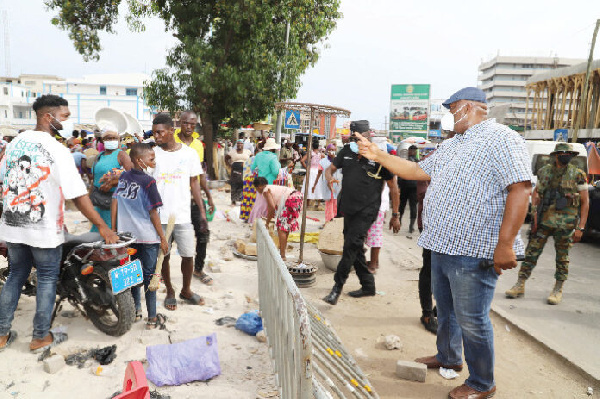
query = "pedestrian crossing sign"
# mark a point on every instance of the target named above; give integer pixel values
(292, 119)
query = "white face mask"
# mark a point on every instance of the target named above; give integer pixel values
(67, 127)
(463, 117)
(147, 169)
(111, 144)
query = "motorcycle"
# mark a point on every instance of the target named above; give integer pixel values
(96, 279)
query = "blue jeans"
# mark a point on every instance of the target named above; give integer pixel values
(22, 258)
(463, 293)
(147, 254)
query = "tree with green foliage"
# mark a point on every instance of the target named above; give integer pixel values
(231, 59)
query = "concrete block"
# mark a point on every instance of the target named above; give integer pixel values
(53, 364)
(250, 249)
(412, 371)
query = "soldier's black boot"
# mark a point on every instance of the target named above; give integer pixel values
(334, 295)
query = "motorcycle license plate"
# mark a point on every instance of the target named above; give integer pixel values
(126, 276)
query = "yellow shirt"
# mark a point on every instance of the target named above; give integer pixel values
(196, 144)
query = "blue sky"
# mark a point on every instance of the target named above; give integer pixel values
(376, 43)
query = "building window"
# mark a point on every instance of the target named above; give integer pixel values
(131, 92)
(6, 114)
(6, 91)
(327, 125)
(103, 90)
(20, 114)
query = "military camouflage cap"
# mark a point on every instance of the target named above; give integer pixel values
(563, 147)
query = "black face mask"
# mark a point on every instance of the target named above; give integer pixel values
(564, 159)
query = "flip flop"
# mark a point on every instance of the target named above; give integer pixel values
(12, 336)
(204, 278)
(195, 299)
(138, 315)
(170, 302)
(57, 338)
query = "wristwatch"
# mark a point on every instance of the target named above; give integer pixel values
(579, 228)
(395, 214)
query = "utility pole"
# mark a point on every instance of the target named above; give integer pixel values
(7, 63)
(583, 102)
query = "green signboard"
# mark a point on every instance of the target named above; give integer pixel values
(409, 111)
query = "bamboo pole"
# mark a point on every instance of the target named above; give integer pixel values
(306, 184)
(585, 83)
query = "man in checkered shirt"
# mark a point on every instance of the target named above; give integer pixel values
(476, 202)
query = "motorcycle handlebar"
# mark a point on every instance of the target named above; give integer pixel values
(125, 239)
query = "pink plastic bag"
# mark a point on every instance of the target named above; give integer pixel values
(176, 364)
(330, 209)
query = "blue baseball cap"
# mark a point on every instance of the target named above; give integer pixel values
(468, 93)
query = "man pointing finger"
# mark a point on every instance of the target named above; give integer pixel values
(473, 209)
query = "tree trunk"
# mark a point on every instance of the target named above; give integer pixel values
(209, 130)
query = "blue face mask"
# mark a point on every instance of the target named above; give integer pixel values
(354, 147)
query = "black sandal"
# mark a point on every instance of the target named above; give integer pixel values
(138, 315)
(158, 322)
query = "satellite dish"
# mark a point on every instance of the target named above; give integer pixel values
(110, 118)
(448, 122)
(133, 126)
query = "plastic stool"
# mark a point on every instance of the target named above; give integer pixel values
(135, 385)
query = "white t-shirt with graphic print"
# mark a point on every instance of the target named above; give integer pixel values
(38, 174)
(172, 173)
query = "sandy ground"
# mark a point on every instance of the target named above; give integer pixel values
(245, 364)
(523, 367)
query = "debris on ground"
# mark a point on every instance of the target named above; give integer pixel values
(261, 336)
(249, 322)
(69, 314)
(391, 342)
(45, 355)
(448, 374)
(226, 321)
(157, 395)
(103, 356)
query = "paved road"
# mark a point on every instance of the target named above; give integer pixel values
(572, 328)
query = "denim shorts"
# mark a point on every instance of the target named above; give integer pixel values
(184, 236)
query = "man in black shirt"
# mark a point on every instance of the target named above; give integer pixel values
(408, 192)
(359, 203)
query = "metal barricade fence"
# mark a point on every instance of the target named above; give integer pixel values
(308, 357)
(285, 319)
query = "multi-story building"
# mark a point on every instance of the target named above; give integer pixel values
(503, 80)
(86, 95)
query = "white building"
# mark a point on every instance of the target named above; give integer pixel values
(123, 92)
(503, 80)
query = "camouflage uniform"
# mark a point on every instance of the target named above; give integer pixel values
(553, 183)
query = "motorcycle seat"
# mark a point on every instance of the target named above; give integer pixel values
(84, 238)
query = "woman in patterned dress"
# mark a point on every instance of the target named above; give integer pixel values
(248, 191)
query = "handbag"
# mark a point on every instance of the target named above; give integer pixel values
(100, 199)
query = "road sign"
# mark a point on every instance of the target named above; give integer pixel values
(561, 135)
(292, 119)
